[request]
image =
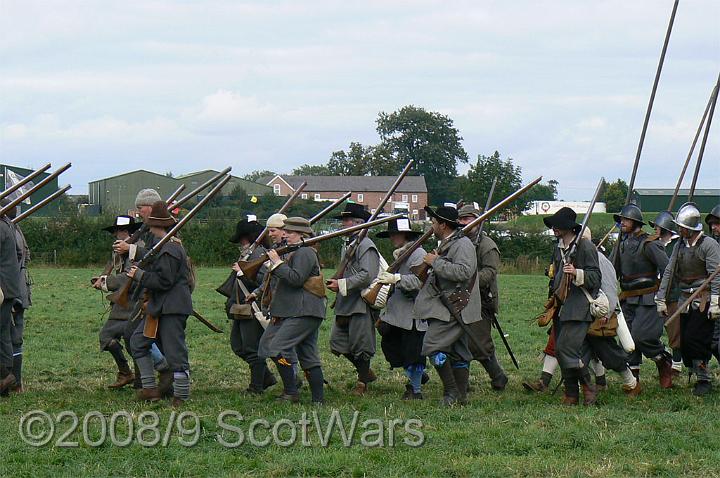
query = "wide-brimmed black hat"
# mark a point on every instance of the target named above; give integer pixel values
(447, 214)
(353, 209)
(399, 225)
(248, 227)
(124, 222)
(564, 219)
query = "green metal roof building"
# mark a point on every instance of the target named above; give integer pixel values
(656, 200)
(49, 210)
(117, 193)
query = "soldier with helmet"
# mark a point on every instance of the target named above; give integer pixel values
(664, 226)
(639, 263)
(713, 222)
(693, 260)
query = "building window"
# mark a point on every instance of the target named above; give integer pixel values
(414, 198)
(317, 196)
(361, 197)
(404, 198)
(303, 195)
(415, 213)
(276, 189)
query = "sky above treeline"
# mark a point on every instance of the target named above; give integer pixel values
(560, 86)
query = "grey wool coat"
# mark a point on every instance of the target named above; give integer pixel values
(359, 274)
(167, 281)
(399, 309)
(455, 267)
(116, 281)
(577, 306)
(289, 298)
(23, 253)
(9, 265)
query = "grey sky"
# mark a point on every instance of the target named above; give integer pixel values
(560, 86)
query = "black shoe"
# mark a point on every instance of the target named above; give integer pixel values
(702, 388)
(409, 394)
(286, 397)
(425, 378)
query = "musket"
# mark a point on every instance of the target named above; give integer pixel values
(23, 181)
(41, 204)
(564, 287)
(352, 248)
(704, 142)
(332, 206)
(206, 322)
(33, 189)
(713, 95)
(421, 270)
(693, 296)
(226, 287)
(201, 187)
(250, 268)
(487, 204)
(121, 296)
(170, 200)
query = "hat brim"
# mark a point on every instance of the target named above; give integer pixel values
(252, 230)
(710, 218)
(345, 214)
(130, 227)
(561, 223)
(165, 222)
(432, 213)
(387, 234)
(618, 217)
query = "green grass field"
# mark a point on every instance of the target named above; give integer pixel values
(662, 433)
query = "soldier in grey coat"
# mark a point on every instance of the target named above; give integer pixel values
(11, 290)
(167, 282)
(353, 333)
(488, 259)
(114, 329)
(640, 262)
(401, 333)
(713, 221)
(573, 320)
(694, 258)
(452, 268)
(297, 309)
(246, 330)
(21, 304)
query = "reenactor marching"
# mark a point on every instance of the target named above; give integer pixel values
(10, 292)
(296, 309)
(694, 258)
(449, 300)
(400, 331)
(488, 266)
(640, 263)
(353, 333)
(713, 222)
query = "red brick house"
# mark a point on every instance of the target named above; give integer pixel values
(410, 196)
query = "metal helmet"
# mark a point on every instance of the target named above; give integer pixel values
(664, 220)
(688, 216)
(631, 211)
(714, 215)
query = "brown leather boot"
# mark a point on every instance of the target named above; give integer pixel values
(632, 392)
(359, 389)
(177, 403)
(7, 382)
(165, 383)
(124, 377)
(536, 386)
(148, 394)
(664, 366)
(589, 394)
(568, 400)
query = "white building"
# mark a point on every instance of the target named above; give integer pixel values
(551, 207)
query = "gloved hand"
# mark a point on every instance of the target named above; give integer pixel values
(714, 311)
(388, 278)
(661, 307)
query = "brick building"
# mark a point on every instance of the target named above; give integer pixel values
(411, 196)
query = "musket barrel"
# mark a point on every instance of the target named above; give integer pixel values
(332, 206)
(201, 187)
(41, 204)
(34, 189)
(23, 181)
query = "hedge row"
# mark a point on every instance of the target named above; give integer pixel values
(80, 241)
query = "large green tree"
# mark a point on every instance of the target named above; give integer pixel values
(431, 140)
(476, 185)
(312, 170)
(613, 195)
